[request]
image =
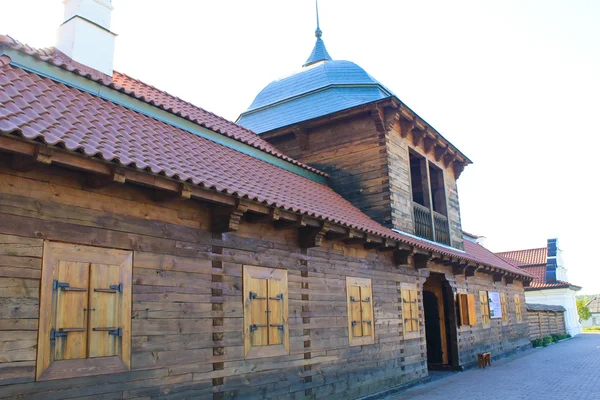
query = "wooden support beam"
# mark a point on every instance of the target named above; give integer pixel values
(402, 256)
(378, 116)
(24, 163)
(449, 158)
(313, 237)
(227, 219)
(301, 135)
(97, 181)
(272, 217)
(392, 118)
(509, 279)
(420, 260)
(470, 270)
(498, 276)
(525, 283)
(381, 245)
(458, 167)
(459, 269)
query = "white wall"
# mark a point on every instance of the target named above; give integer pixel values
(558, 297)
(594, 321)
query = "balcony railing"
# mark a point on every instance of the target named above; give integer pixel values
(422, 221)
(423, 225)
(442, 232)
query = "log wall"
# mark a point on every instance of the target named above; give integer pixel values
(187, 305)
(545, 323)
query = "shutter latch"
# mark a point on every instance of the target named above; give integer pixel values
(352, 298)
(354, 323)
(253, 327)
(280, 327)
(367, 300)
(118, 287)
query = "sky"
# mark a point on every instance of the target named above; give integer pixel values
(514, 84)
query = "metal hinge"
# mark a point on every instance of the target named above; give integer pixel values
(278, 297)
(118, 287)
(55, 334)
(116, 332)
(354, 323)
(352, 298)
(367, 300)
(280, 327)
(58, 285)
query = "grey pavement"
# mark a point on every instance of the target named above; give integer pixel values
(567, 370)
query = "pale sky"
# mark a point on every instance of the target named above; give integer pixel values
(514, 84)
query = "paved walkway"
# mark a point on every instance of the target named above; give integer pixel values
(569, 370)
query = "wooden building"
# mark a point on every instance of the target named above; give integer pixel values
(149, 248)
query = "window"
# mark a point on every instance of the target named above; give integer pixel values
(360, 311)
(484, 302)
(85, 311)
(466, 307)
(518, 308)
(266, 332)
(504, 308)
(410, 311)
(429, 199)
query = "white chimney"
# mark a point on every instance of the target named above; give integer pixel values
(85, 35)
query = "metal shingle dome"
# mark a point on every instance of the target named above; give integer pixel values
(323, 88)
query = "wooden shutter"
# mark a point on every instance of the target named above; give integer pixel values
(504, 307)
(518, 308)
(106, 294)
(276, 323)
(70, 309)
(266, 331)
(463, 302)
(485, 307)
(414, 310)
(410, 310)
(472, 310)
(365, 310)
(361, 329)
(70, 327)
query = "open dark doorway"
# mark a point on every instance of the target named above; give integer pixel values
(440, 323)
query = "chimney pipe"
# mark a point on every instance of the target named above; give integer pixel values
(85, 34)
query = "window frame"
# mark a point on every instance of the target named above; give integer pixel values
(46, 368)
(360, 340)
(256, 272)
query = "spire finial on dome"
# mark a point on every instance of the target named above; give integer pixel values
(319, 52)
(318, 32)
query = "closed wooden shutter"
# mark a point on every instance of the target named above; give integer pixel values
(485, 307)
(106, 295)
(361, 329)
(414, 310)
(355, 311)
(266, 331)
(463, 301)
(275, 302)
(518, 308)
(472, 310)
(365, 311)
(71, 310)
(81, 316)
(504, 307)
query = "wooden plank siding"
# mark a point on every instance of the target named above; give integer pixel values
(545, 323)
(187, 308)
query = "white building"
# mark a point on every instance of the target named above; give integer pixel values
(594, 307)
(551, 285)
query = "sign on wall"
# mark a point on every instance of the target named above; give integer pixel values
(495, 305)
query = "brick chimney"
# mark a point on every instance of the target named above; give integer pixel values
(85, 34)
(552, 260)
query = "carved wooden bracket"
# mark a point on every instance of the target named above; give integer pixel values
(417, 136)
(449, 158)
(392, 119)
(459, 269)
(301, 135)
(99, 181)
(498, 277)
(406, 127)
(378, 115)
(386, 245)
(458, 168)
(428, 143)
(227, 219)
(439, 152)
(354, 237)
(313, 237)
(525, 283)
(42, 155)
(509, 279)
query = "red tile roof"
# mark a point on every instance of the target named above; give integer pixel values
(554, 285)
(156, 97)
(521, 258)
(38, 108)
(538, 271)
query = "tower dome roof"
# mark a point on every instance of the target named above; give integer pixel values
(321, 89)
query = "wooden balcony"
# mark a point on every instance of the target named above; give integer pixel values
(431, 227)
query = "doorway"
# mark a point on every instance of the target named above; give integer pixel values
(440, 317)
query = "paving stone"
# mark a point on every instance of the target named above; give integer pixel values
(569, 370)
